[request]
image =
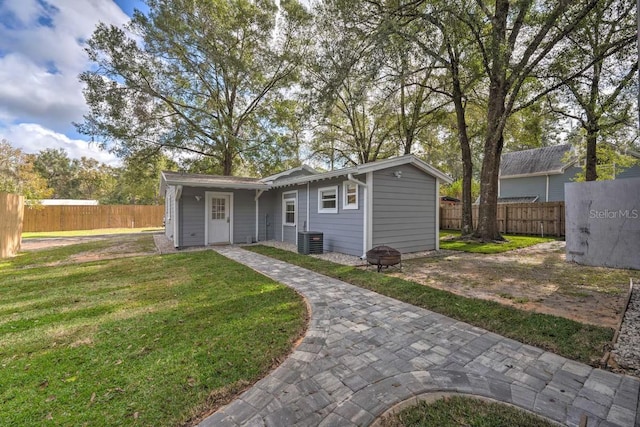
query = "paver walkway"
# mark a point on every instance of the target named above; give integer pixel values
(364, 353)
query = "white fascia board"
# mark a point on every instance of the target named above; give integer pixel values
(370, 167)
(568, 165)
(525, 175)
(227, 185)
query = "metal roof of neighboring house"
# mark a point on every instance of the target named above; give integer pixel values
(538, 161)
(518, 199)
(280, 180)
(521, 199)
(68, 202)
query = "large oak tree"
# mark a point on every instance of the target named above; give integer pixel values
(200, 77)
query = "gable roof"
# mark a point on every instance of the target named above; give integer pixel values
(369, 167)
(300, 170)
(281, 180)
(203, 180)
(537, 161)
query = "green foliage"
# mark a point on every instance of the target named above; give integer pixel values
(60, 172)
(136, 182)
(203, 78)
(601, 95)
(611, 161)
(18, 175)
(562, 336)
(137, 341)
(455, 189)
(368, 89)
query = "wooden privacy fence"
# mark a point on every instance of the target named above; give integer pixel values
(11, 211)
(514, 218)
(66, 218)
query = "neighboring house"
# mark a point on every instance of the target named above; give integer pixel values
(539, 174)
(68, 202)
(392, 202)
(449, 201)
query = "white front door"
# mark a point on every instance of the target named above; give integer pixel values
(219, 219)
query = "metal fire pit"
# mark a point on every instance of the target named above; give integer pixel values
(383, 256)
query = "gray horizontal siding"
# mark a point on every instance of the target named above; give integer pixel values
(287, 233)
(404, 209)
(556, 184)
(526, 186)
(192, 217)
(342, 231)
(244, 215)
(267, 221)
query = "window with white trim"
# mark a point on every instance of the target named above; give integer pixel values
(328, 200)
(289, 209)
(349, 195)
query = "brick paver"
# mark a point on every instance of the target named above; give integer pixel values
(364, 353)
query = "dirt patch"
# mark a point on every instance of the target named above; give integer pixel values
(47, 243)
(537, 278)
(115, 246)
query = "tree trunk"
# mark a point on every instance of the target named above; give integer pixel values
(488, 210)
(227, 161)
(592, 159)
(496, 115)
(467, 164)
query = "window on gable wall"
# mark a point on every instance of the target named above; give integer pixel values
(328, 200)
(349, 195)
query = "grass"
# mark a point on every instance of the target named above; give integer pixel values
(81, 233)
(459, 411)
(562, 336)
(451, 240)
(151, 340)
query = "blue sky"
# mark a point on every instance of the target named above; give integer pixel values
(41, 55)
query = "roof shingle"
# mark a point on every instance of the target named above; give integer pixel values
(536, 161)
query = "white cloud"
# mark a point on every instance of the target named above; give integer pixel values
(31, 138)
(41, 56)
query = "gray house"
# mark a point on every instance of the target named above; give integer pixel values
(539, 175)
(392, 202)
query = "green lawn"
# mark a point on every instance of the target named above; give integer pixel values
(462, 411)
(562, 336)
(80, 233)
(108, 248)
(451, 240)
(153, 340)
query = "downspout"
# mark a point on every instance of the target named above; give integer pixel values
(547, 195)
(308, 226)
(258, 194)
(365, 224)
(437, 233)
(176, 223)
